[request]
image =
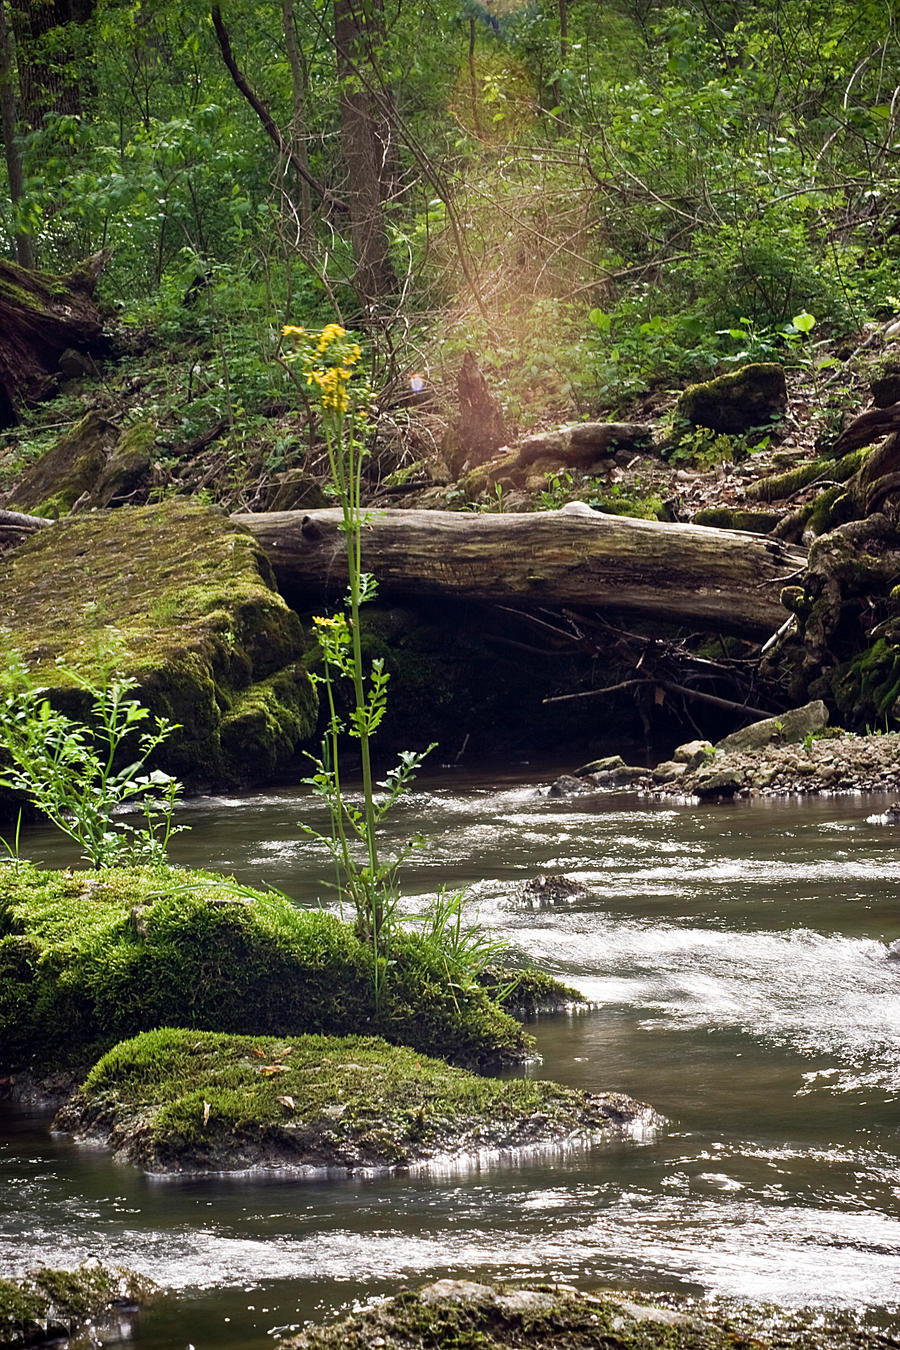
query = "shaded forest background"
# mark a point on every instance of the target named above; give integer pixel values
(597, 199)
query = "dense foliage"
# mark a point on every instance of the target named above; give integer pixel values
(597, 196)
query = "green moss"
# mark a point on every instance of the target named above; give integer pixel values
(71, 467)
(534, 991)
(200, 626)
(750, 397)
(780, 486)
(183, 1100)
(726, 518)
(87, 959)
(47, 1304)
(463, 1315)
(867, 688)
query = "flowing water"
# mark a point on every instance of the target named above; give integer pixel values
(739, 958)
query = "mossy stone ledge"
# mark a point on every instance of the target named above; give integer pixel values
(177, 1101)
(91, 958)
(467, 1315)
(191, 602)
(46, 1305)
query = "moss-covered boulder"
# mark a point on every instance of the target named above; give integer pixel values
(466, 1315)
(91, 958)
(750, 397)
(176, 1101)
(48, 1305)
(191, 603)
(94, 464)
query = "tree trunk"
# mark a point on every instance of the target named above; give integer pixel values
(54, 66)
(717, 579)
(40, 317)
(367, 156)
(10, 120)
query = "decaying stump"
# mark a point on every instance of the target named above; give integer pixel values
(480, 430)
(41, 317)
(719, 579)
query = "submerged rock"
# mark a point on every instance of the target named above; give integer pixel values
(190, 603)
(556, 1316)
(197, 1102)
(50, 1305)
(553, 889)
(467, 1314)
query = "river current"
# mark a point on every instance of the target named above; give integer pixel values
(738, 957)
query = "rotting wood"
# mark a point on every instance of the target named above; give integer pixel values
(719, 579)
(40, 317)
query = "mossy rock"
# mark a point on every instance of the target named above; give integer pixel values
(46, 1305)
(867, 688)
(90, 958)
(464, 1315)
(178, 1101)
(191, 602)
(753, 396)
(93, 461)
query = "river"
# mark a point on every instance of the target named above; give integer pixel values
(738, 957)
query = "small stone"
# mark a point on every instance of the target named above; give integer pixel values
(600, 766)
(668, 771)
(693, 753)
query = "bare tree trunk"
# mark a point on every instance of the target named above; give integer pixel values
(10, 121)
(262, 112)
(366, 154)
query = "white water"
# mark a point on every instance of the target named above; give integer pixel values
(739, 955)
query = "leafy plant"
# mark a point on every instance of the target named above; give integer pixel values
(72, 770)
(614, 499)
(365, 878)
(464, 949)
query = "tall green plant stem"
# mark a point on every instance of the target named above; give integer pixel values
(346, 468)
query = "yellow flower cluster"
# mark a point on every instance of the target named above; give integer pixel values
(321, 621)
(332, 379)
(332, 384)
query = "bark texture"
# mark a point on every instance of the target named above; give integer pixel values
(721, 579)
(41, 316)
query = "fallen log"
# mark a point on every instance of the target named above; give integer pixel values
(720, 579)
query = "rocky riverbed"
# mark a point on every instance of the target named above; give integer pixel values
(794, 754)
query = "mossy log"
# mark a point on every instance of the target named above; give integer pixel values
(41, 316)
(722, 579)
